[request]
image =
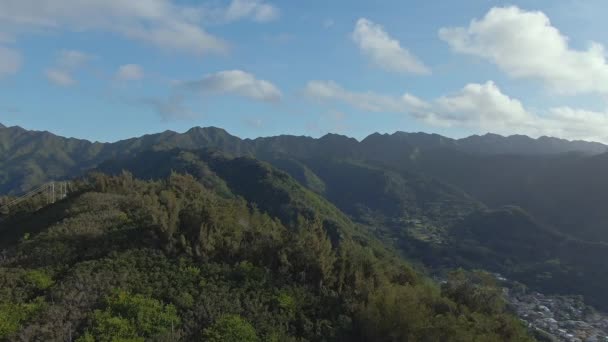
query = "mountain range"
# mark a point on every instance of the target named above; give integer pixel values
(196, 245)
(28, 158)
(530, 209)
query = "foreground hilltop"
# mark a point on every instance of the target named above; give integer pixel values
(237, 252)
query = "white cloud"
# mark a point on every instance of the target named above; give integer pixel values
(385, 51)
(483, 106)
(366, 101)
(10, 61)
(229, 82)
(130, 72)
(578, 124)
(525, 44)
(477, 107)
(60, 77)
(257, 10)
(235, 82)
(414, 102)
(157, 22)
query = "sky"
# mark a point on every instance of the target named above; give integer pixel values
(106, 70)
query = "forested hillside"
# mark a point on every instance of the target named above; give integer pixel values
(530, 209)
(239, 252)
(426, 220)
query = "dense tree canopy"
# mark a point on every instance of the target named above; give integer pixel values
(129, 260)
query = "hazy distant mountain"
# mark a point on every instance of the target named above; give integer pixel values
(521, 144)
(43, 156)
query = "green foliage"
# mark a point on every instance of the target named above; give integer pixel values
(286, 302)
(313, 255)
(231, 328)
(415, 313)
(110, 328)
(133, 317)
(12, 316)
(39, 279)
(193, 263)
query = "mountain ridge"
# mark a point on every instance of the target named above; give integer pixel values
(592, 147)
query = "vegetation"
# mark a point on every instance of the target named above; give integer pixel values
(427, 220)
(530, 209)
(129, 260)
(231, 328)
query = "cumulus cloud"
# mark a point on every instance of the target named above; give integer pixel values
(384, 51)
(158, 22)
(236, 82)
(483, 106)
(10, 61)
(229, 82)
(524, 44)
(576, 123)
(259, 11)
(366, 101)
(479, 107)
(130, 72)
(60, 77)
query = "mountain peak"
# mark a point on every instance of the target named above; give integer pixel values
(2, 126)
(207, 130)
(337, 137)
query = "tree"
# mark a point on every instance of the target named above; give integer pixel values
(231, 328)
(133, 317)
(476, 290)
(314, 254)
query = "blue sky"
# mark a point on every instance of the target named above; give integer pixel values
(109, 69)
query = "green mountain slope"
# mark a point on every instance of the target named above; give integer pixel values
(397, 206)
(424, 219)
(187, 260)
